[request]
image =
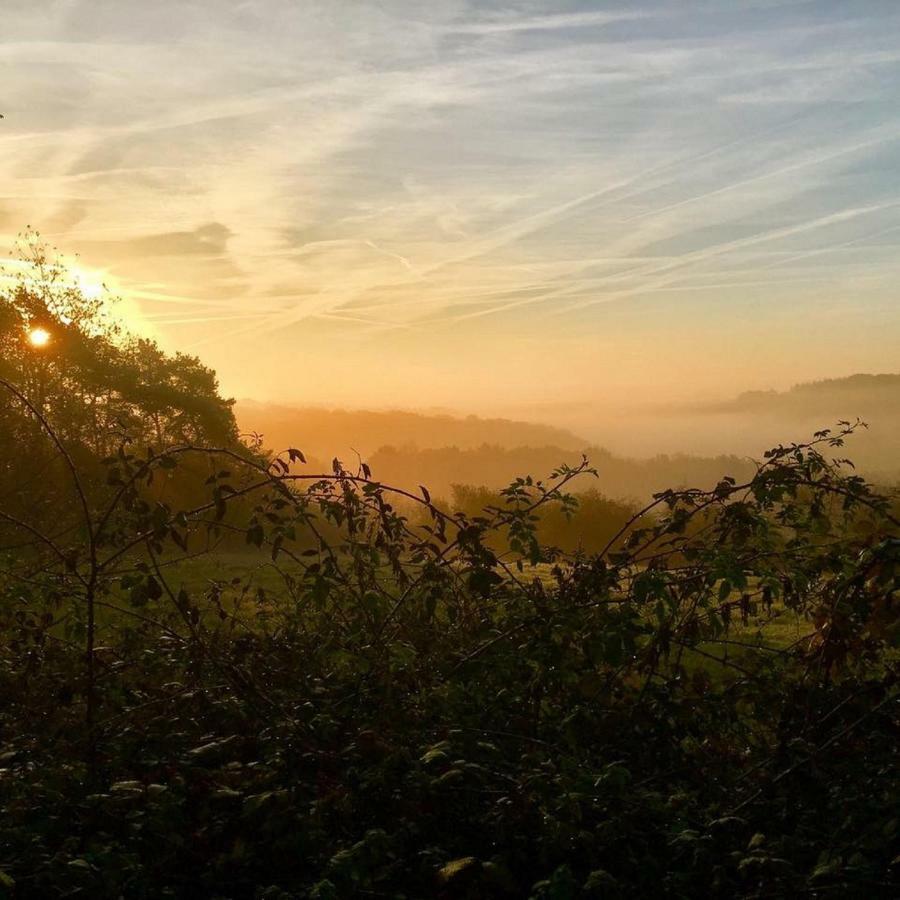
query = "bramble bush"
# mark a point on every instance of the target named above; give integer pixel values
(379, 707)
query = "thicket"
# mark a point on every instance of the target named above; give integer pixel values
(432, 705)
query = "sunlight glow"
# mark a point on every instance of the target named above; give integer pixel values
(90, 284)
(39, 337)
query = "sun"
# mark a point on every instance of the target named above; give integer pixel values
(39, 337)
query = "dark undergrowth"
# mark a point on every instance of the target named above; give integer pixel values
(449, 709)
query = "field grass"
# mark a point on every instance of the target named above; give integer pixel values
(248, 580)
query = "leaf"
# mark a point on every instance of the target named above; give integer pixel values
(455, 868)
(756, 841)
(435, 755)
(215, 752)
(599, 882)
(127, 787)
(154, 588)
(449, 777)
(178, 538)
(482, 581)
(324, 890)
(80, 864)
(827, 867)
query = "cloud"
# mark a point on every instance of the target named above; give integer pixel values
(416, 167)
(512, 24)
(210, 240)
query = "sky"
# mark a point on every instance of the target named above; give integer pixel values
(515, 208)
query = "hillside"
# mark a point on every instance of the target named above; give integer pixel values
(811, 405)
(693, 445)
(854, 395)
(620, 478)
(409, 449)
(340, 432)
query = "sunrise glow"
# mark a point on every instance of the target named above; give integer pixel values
(38, 337)
(91, 288)
(569, 194)
(449, 449)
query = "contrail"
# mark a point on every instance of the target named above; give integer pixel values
(793, 167)
(508, 233)
(688, 260)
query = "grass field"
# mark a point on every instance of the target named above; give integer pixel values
(247, 582)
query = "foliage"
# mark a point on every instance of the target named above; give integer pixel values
(101, 382)
(406, 710)
(381, 702)
(105, 388)
(587, 525)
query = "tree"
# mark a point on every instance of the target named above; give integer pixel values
(106, 387)
(102, 382)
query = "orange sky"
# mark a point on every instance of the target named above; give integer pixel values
(515, 208)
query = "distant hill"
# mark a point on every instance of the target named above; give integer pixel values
(408, 449)
(619, 477)
(336, 432)
(771, 416)
(855, 395)
(440, 450)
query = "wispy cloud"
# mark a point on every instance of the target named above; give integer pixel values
(510, 24)
(258, 171)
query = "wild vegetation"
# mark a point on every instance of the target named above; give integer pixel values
(388, 696)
